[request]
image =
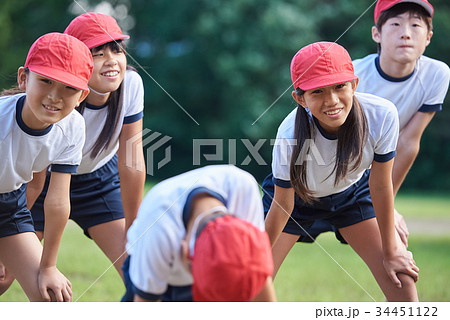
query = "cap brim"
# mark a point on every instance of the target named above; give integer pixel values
(421, 3)
(98, 41)
(61, 76)
(327, 80)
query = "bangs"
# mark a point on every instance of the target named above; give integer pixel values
(413, 9)
(116, 45)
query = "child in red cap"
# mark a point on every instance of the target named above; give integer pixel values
(200, 236)
(113, 112)
(320, 168)
(399, 72)
(40, 128)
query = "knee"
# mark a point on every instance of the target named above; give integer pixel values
(408, 288)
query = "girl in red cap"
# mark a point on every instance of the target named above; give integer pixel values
(113, 112)
(40, 128)
(320, 170)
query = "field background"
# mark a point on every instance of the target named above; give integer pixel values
(226, 63)
(308, 274)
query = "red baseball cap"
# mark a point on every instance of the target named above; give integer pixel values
(386, 4)
(321, 64)
(232, 260)
(95, 29)
(61, 57)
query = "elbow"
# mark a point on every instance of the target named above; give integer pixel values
(52, 204)
(408, 147)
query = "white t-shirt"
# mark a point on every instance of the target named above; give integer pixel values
(95, 117)
(423, 90)
(24, 150)
(382, 121)
(154, 239)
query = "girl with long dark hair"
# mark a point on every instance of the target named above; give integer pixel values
(320, 164)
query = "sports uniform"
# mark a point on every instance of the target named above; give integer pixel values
(95, 188)
(154, 269)
(25, 151)
(424, 90)
(349, 201)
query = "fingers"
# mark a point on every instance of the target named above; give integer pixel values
(58, 295)
(403, 237)
(395, 279)
(401, 227)
(67, 294)
(63, 294)
(416, 272)
(45, 295)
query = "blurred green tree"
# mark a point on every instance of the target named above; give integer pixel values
(216, 69)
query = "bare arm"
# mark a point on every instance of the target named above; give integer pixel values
(279, 212)
(267, 293)
(407, 150)
(396, 258)
(408, 146)
(57, 210)
(131, 170)
(34, 187)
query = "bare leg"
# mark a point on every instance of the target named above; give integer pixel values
(6, 279)
(40, 235)
(110, 237)
(21, 255)
(364, 237)
(281, 249)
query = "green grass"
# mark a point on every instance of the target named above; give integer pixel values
(423, 205)
(308, 273)
(82, 262)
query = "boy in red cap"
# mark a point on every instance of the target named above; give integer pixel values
(416, 84)
(40, 128)
(320, 164)
(200, 236)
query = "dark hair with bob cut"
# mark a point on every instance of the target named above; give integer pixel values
(114, 102)
(351, 138)
(400, 8)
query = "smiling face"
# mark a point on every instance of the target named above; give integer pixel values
(403, 38)
(47, 101)
(330, 105)
(110, 64)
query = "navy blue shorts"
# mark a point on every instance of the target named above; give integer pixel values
(173, 293)
(14, 216)
(94, 198)
(330, 213)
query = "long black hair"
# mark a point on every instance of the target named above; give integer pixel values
(351, 137)
(114, 102)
